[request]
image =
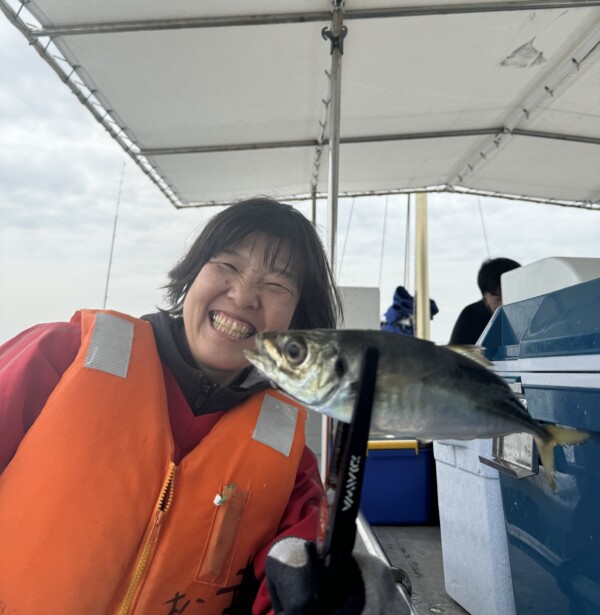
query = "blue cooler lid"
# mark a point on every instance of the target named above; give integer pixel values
(563, 322)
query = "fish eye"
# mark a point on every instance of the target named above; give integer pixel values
(295, 351)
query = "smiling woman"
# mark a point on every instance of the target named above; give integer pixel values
(283, 228)
(203, 465)
(257, 266)
(236, 294)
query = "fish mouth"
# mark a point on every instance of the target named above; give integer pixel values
(232, 327)
(263, 356)
(256, 359)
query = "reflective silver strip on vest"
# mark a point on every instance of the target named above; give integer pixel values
(110, 347)
(276, 424)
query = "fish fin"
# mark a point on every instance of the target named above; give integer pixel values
(567, 435)
(562, 436)
(475, 353)
(546, 451)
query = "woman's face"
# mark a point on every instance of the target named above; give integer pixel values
(233, 297)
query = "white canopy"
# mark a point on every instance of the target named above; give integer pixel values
(220, 100)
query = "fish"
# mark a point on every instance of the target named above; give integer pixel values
(423, 390)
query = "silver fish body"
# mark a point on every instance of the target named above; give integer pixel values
(422, 391)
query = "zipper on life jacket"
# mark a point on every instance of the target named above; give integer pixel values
(145, 553)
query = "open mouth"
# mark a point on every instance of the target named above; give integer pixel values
(230, 326)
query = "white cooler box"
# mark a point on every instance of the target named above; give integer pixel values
(474, 547)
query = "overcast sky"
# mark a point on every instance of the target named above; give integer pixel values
(59, 184)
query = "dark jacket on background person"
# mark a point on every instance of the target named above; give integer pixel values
(470, 323)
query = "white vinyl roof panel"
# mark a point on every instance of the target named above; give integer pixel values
(205, 91)
(399, 165)
(473, 80)
(275, 172)
(72, 12)
(526, 162)
(217, 100)
(576, 109)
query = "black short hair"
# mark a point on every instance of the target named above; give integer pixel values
(319, 304)
(488, 278)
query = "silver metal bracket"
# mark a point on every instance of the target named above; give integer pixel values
(514, 455)
(337, 42)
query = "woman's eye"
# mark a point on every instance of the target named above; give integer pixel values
(227, 265)
(295, 351)
(279, 288)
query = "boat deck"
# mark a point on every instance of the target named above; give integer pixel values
(418, 551)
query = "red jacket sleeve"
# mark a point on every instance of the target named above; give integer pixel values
(31, 364)
(299, 519)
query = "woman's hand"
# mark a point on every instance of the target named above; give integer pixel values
(299, 583)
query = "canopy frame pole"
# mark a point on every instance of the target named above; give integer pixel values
(224, 21)
(335, 35)
(422, 311)
(407, 242)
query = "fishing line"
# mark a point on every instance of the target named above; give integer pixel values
(339, 273)
(487, 247)
(383, 239)
(112, 242)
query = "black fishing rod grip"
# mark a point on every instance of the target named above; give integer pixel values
(339, 538)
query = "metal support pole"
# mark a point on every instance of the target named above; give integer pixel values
(422, 312)
(336, 37)
(407, 243)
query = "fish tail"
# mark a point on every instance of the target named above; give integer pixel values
(562, 436)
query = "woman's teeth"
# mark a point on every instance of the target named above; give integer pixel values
(229, 326)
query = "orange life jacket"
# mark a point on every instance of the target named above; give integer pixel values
(95, 518)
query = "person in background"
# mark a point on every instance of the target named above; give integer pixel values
(474, 317)
(145, 466)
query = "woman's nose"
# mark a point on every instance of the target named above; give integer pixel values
(244, 293)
